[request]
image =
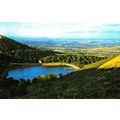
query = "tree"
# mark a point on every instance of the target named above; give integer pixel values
(60, 75)
(22, 88)
(13, 91)
(4, 83)
(49, 77)
(37, 79)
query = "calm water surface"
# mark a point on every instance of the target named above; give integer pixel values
(31, 72)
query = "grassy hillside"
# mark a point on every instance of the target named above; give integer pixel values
(113, 63)
(89, 82)
(97, 80)
(97, 64)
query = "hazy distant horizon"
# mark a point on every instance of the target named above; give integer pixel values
(80, 31)
(62, 34)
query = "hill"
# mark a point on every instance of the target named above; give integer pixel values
(97, 80)
(9, 44)
(20, 52)
(4, 59)
(113, 63)
(89, 82)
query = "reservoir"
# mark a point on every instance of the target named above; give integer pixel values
(32, 72)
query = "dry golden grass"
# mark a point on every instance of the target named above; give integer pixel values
(114, 63)
(60, 64)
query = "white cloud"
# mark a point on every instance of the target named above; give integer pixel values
(73, 30)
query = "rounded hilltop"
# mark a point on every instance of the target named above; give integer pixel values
(1, 37)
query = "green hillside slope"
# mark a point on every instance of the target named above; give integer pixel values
(98, 80)
(20, 52)
(9, 44)
(113, 63)
(90, 82)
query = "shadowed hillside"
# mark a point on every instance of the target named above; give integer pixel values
(20, 52)
(90, 84)
(9, 44)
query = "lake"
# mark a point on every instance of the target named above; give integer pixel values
(31, 72)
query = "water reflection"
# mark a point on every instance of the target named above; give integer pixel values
(31, 72)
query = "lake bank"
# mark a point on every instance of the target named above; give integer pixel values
(12, 66)
(60, 64)
(45, 64)
(34, 71)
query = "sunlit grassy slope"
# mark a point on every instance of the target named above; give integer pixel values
(97, 64)
(113, 63)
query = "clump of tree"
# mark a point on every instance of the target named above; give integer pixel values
(13, 88)
(30, 55)
(19, 52)
(47, 77)
(78, 59)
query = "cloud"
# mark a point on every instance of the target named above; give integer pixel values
(62, 30)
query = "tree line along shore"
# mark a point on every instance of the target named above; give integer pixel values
(22, 65)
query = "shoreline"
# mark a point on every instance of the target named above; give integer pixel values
(12, 66)
(23, 65)
(60, 64)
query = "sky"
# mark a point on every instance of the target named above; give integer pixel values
(87, 11)
(58, 18)
(66, 30)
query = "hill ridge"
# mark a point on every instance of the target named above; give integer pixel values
(10, 44)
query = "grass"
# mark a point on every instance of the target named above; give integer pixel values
(89, 82)
(96, 64)
(114, 63)
(60, 64)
